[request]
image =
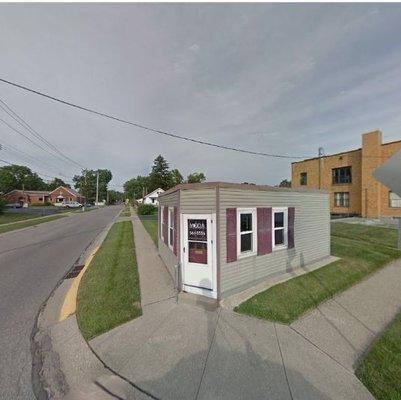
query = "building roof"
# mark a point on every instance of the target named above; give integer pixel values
(242, 186)
(154, 192)
(30, 192)
(70, 190)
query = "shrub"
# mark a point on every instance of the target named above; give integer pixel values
(45, 204)
(3, 203)
(146, 209)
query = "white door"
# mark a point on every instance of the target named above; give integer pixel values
(198, 254)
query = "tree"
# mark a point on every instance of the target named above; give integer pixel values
(135, 187)
(115, 197)
(175, 178)
(285, 183)
(196, 177)
(86, 183)
(19, 177)
(55, 183)
(160, 174)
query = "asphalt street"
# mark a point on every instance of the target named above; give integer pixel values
(32, 261)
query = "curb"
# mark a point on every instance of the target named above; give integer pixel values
(49, 379)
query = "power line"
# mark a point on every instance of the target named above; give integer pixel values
(17, 152)
(146, 128)
(6, 108)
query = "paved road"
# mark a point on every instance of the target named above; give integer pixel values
(32, 261)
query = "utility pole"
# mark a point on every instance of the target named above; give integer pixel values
(97, 187)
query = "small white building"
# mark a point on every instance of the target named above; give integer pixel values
(151, 198)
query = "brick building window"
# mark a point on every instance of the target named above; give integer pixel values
(303, 180)
(394, 200)
(341, 199)
(341, 175)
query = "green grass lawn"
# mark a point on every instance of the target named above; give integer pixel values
(380, 370)
(151, 226)
(109, 293)
(125, 212)
(363, 250)
(6, 218)
(27, 223)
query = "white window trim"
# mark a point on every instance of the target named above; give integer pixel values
(162, 223)
(170, 212)
(254, 233)
(285, 244)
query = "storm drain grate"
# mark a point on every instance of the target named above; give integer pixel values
(75, 271)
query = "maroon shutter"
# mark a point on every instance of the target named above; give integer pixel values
(291, 223)
(231, 234)
(165, 225)
(264, 230)
(176, 222)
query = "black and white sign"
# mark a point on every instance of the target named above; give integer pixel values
(197, 229)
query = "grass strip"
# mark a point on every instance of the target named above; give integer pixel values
(363, 250)
(109, 292)
(26, 224)
(7, 218)
(151, 226)
(380, 369)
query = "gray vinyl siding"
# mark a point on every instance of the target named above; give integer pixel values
(312, 236)
(198, 201)
(166, 254)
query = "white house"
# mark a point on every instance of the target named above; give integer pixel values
(151, 198)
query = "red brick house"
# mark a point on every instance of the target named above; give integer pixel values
(27, 196)
(65, 194)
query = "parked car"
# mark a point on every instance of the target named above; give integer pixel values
(71, 204)
(14, 205)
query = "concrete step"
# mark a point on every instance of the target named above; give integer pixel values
(199, 301)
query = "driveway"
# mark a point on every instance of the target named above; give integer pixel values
(32, 261)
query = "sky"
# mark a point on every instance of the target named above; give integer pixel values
(276, 78)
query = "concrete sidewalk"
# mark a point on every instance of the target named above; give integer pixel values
(179, 351)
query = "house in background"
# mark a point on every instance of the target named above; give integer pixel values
(349, 178)
(61, 194)
(27, 197)
(151, 198)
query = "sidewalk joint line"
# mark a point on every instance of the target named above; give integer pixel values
(207, 355)
(158, 301)
(282, 360)
(322, 351)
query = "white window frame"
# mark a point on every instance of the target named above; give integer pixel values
(170, 220)
(162, 223)
(254, 233)
(394, 200)
(285, 244)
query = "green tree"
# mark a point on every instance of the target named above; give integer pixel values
(285, 183)
(115, 196)
(19, 177)
(55, 183)
(135, 187)
(86, 183)
(175, 178)
(160, 174)
(196, 177)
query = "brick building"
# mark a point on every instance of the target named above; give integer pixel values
(62, 194)
(29, 197)
(348, 177)
(26, 197)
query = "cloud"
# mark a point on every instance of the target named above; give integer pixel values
(282, 78)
